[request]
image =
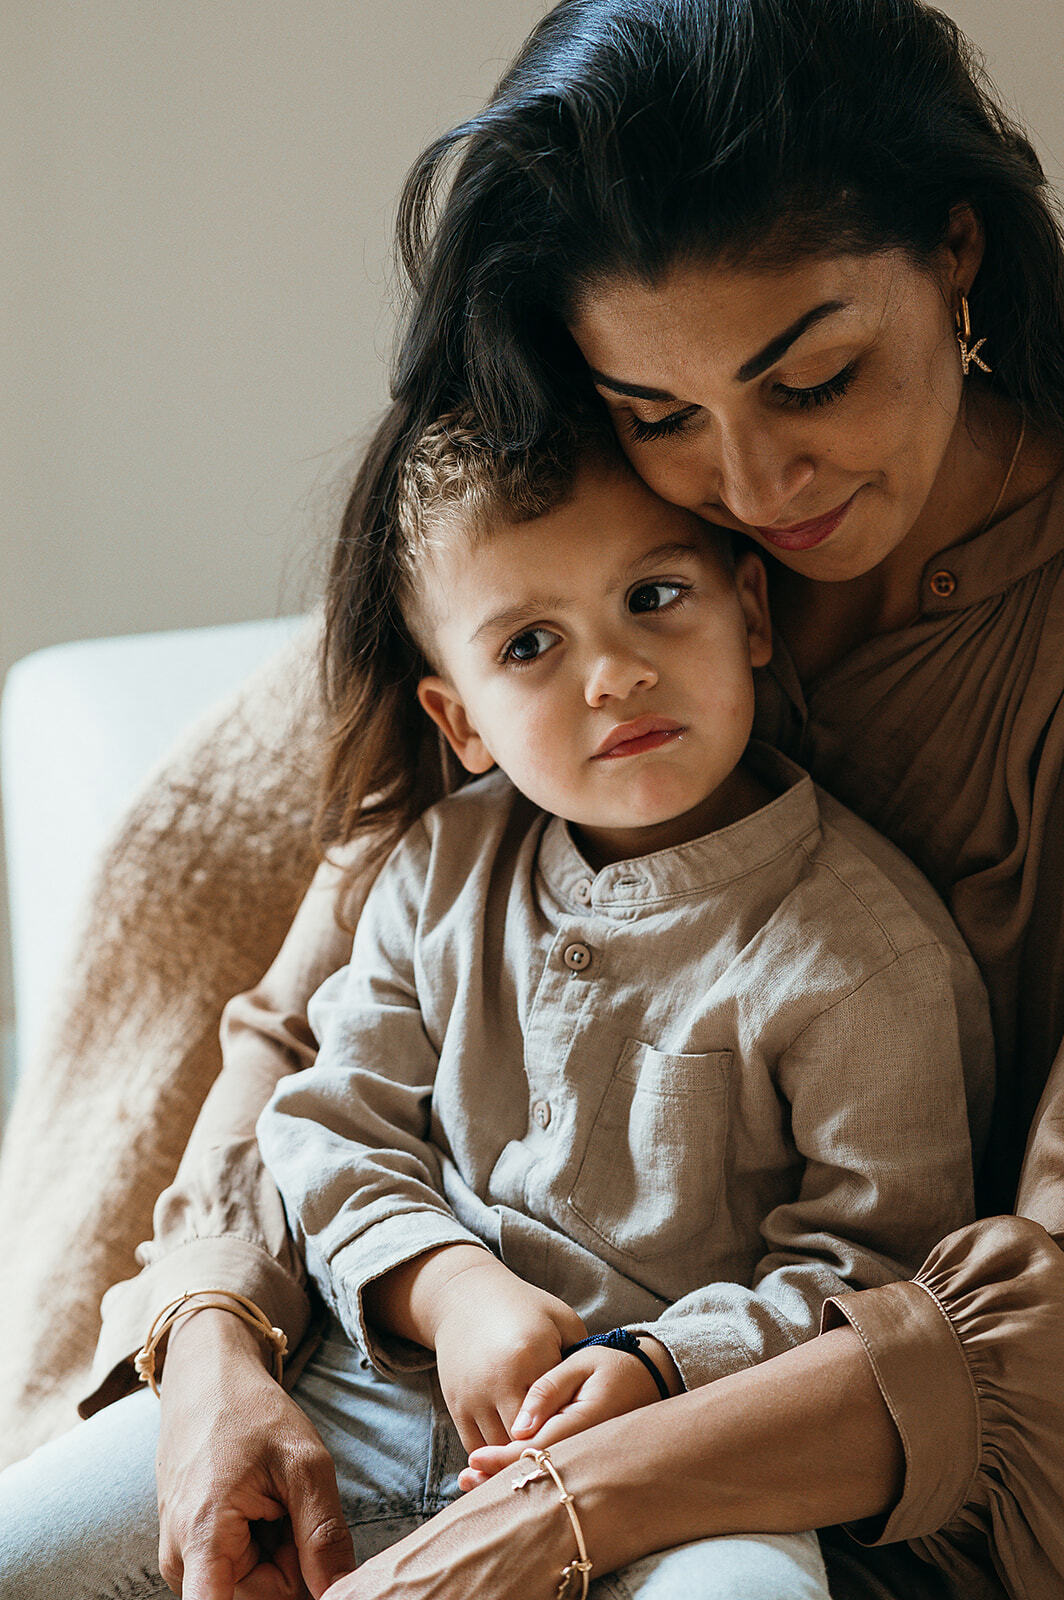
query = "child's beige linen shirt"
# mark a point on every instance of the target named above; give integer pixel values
(697, 1092)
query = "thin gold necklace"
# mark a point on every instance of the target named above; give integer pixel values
(1007, 479)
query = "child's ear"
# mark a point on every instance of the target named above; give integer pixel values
(751, 585)
(448, 712)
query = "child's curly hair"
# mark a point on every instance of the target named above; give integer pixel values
(385, 760)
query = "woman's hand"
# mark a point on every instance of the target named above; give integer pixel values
(235, 1452)
(495, 1545)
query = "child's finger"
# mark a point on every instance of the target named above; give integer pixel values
(486, 1462)
(548, 1395)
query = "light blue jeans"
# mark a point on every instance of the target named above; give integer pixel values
(78, 1518)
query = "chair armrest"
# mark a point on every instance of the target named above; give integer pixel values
(81, 725)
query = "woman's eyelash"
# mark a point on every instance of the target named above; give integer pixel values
(821, 394)
(642, 431)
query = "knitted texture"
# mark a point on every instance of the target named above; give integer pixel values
(190, 904)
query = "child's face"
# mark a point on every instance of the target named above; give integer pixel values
(601, 656)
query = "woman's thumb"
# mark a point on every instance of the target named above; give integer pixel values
(322, 1540)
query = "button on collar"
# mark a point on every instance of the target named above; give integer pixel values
(942, 583)
(577, 957)
(541, 1113)
(582, 891)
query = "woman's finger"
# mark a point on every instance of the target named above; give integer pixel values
(279, 1578)
(319, 1532)
(207, 1575)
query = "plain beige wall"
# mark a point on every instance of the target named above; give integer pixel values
(198, 304)
(195, 306)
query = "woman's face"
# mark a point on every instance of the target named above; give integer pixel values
(811, 407)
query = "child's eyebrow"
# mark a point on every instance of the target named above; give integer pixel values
(662, 552)
(514, 616)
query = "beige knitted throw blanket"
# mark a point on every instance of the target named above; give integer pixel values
(189, 907)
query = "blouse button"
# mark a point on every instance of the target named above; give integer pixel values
(943, 583)
(577, 957)
(541, 1113)
(583, 891)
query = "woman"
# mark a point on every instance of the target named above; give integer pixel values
(785, 242)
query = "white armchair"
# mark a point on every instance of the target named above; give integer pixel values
(81, 725)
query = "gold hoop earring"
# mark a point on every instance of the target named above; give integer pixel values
(969, 353)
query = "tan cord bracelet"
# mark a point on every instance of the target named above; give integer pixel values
(194, 1300)
(581, 1567)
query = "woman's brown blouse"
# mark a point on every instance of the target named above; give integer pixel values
(948, 736)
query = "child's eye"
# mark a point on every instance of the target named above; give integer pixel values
(656, 596)
(529, 646)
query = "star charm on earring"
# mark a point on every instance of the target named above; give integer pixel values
(969, 354)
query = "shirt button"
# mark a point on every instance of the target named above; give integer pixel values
(942, 583)
(583, 891)
(541, 1113)
(577, 957)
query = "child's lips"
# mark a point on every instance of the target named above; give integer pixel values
(632, 738)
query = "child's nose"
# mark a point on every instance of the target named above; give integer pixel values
(616, 674)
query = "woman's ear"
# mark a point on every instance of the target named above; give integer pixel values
(751, 585)
(962, 250)
(440, 701)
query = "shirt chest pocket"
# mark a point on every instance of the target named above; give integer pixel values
(653, 1169)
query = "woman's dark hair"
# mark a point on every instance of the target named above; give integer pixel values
(630, 134)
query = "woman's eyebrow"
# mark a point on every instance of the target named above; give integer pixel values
(750, 369)
(637, 391)
(782, 343)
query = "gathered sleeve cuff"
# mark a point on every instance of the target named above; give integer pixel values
(921, 1369)
(968, 1358)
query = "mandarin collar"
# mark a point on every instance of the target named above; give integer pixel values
(641, 885)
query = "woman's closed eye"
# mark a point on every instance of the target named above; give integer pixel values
(528, 646)
(801, 399)
(657, 596)
(644, 432)
(818, 394)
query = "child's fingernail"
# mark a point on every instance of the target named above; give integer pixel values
(522, 1422)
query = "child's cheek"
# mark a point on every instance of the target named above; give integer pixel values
(538, 746)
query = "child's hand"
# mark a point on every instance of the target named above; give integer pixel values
(494, 1338)
(586, 1388)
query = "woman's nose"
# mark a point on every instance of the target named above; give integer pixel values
(615, 673)
(759, 478)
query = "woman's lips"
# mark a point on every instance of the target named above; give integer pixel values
(804, 535)
(632, 738)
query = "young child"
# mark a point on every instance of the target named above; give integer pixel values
(640, 1029)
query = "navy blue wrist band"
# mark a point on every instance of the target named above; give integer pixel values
(621, 1339)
